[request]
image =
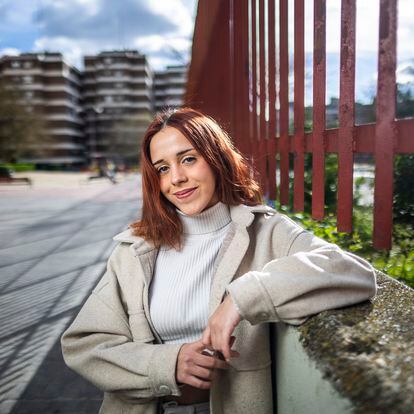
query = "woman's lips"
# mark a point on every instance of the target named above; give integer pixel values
(185, 193)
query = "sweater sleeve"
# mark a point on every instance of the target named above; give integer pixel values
(313, 276)
(99, 345)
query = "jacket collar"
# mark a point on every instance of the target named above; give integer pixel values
(241, 216)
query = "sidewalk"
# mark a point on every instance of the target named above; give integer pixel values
(56, 238)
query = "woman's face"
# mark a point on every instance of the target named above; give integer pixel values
(186, 180)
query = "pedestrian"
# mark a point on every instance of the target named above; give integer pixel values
(179, 321)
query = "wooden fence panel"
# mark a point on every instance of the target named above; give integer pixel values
(234, 34)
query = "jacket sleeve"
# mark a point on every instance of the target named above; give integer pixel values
(100, 347)
(312, 276)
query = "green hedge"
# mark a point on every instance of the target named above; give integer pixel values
(19, 167)
(398, 263)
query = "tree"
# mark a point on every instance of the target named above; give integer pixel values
(125, 139)
(21, 127)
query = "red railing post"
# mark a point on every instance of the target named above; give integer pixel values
(284, 103)
(319, 81)
(299, 108)
(254, 118)
(272, 101)
(346, 116)
(241, 78)
(262, 101)
(385, 132)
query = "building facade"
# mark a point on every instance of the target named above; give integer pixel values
(169, 87)
(50, 88)
(98, 114)
(117, 104)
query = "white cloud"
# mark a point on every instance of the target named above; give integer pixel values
(10, 51)
(174, 11)
(73, 50)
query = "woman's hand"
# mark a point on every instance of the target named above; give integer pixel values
(220, 326)
(195, 368)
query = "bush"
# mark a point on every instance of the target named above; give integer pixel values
(403, 189)
(19, 167)
(398, 263)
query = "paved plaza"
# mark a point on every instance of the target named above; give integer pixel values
(55, 239)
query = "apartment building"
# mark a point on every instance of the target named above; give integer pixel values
(51, 88)
(117, 102)
(169, 87)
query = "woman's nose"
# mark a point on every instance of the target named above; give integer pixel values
(177, 175)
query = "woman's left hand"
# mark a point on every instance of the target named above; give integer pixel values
(220, 326)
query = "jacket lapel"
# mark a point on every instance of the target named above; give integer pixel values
(233, 251)
(147, 261)
(145, 254)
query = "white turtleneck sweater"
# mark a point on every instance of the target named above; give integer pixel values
(180, 288)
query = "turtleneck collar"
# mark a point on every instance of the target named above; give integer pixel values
(208, 221)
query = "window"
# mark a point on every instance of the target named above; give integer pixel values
(15, 64)
(27, 65)
(28, 95)
(27, 79)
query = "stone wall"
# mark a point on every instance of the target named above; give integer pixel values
(358, 359)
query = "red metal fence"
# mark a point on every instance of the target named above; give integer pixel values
(239, 74)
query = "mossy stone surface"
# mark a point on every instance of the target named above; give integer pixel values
(367, 351)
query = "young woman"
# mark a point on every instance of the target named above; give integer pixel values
(179, 322)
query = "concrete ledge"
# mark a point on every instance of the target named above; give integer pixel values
(365, 352)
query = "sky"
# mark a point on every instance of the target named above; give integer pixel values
(163, 30)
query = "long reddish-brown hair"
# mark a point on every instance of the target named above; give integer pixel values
(235, 183)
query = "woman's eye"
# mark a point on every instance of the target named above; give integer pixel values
(163, 169)
(189, 159)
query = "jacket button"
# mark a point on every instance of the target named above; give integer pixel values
(264, 315)
(165, 389)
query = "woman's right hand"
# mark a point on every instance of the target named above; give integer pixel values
(195, 368)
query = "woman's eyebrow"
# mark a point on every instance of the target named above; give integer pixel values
(177, 155)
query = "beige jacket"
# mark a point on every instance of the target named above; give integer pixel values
(274, 270)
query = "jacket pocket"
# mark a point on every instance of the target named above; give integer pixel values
(252, 342)
(140, 329)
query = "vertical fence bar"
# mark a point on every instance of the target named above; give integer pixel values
(346, 116)
(284, 103)
(272, 101)
(299, 108)
(262, 101)
(243, 9)
(238, 78)
(318, 138)
(232, 69)
(385, 131)
(255, 152)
